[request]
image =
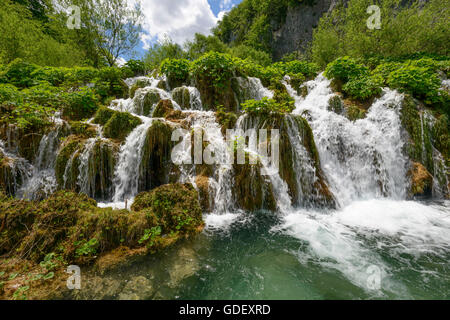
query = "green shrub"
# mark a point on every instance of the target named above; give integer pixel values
(176, 70)
(384, 69)
(363, 88)
(120, 125)
(9, 94)
(217, 68)
(80, 104)
(266, 106)
(298, 66)
(419, 81)
(44, 94)
(19, 73)
(345, 68)
(136, 66)
(55, 76)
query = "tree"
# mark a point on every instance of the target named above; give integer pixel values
(203, 44)
(162, 50)
(118, 27)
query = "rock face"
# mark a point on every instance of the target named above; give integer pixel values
(296, 32)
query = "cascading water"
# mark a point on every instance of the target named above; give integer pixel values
(126, 176)
(42, 181)
(362, 159)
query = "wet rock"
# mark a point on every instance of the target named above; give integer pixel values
(421, 180)
(163, 109)
(182, 96)
(138, 288)
(202, 183)
(185, 265)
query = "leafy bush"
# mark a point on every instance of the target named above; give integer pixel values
(215, 67)
(298, 66)
(19, 73)
(176, 70)
(363, 88)
(9, 93)
(419, 81)
(344, 69)
(80, 104)
(136, 66)
(266, 106)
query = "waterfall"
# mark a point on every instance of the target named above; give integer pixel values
(42, 181)
(15, 169)
(361, 159)
(126, 175)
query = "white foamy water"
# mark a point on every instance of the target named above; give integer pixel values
(352, 239)
(361, 159)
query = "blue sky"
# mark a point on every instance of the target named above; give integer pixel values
(179, 19)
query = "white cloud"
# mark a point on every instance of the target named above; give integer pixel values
(178, 19)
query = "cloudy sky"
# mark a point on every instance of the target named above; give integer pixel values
(180, 19)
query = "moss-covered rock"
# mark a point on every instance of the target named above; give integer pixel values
(412, 120)
(139, 84)
(120, 125)
(252, 191)
(156, 164)
(354, 113)
(227, 120)
(67, 162)
(182, 96)
(421, 180)
(83, 129)
(335, 104)
(103, 115)
(163, 109)
(71, 225)
(202, 183)
(306, 187)
(149, 100)
(213, 96)
(175, 205)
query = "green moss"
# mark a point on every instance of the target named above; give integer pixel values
(83, 129)
(156, 164)
(163, 109)
(252, 190)
(411, 121)
(227, 120)
(354, 113)
(182, 96)
(120, 125)
(69, 149)
(335, 104)
(176, 206)
(71, 225)
(103, 115)
(152, 97)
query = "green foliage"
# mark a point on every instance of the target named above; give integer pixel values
(158, 52)
(150, 236)
(86, 248)
(176, 70)
(405, 30)
(19, 73)
(256, 56)
(215, 67)
(344, 69)
(298, 67)
(204, 44)
(419, 81)
(363, 88)
(80, 104)
(137, 67)
(267, 106)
